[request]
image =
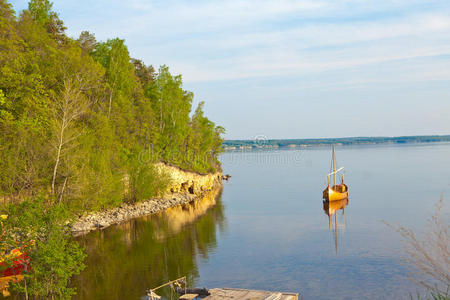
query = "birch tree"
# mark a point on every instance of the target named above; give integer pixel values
(115, 58)
(69, 106)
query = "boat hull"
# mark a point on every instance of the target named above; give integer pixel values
(336, 192)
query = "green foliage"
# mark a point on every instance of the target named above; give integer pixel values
(40, 231)
(5, 105)
(42, 14)
(87, 41)
(40, 10)
(76, 114)
(146, 74)
(434, 295)
(76, 118)
(146, 182)
(205, 141)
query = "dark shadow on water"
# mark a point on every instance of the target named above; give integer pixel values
(127, 259)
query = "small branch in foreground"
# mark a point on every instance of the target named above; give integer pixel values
(429, 258)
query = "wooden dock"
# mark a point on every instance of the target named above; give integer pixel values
(242, 294)
(186, 293)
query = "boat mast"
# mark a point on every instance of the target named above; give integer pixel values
(334, 167)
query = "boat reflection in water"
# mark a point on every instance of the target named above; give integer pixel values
(331, 208)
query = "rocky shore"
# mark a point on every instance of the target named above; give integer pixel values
(185, 187)
(125, 212)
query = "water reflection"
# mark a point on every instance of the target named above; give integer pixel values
(125, 260)
(331, 208)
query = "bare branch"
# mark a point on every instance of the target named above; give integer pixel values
(429, 258)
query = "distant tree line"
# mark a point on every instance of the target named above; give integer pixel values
(329, 141)
(82, 122)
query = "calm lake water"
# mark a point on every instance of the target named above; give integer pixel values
(268, 228)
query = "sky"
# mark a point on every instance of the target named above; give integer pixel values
(291, 69)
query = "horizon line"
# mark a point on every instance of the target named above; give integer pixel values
(337, 138)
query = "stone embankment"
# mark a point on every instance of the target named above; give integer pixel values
(188, 182)
(184, 187)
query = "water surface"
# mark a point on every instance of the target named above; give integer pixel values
(268, 228)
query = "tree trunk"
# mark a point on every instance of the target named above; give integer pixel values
(110, 103)
(58, 154)
(62, 190)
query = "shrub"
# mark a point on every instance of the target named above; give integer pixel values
(53, 257)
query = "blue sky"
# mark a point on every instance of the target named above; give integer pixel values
(292, 69)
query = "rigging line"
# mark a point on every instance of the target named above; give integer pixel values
(338, 170)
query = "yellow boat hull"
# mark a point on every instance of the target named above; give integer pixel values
(336, 192)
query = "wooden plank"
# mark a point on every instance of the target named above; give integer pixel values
(274, 296)
(243, 294)
(188, 296)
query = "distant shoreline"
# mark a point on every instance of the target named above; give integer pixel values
(231, 145)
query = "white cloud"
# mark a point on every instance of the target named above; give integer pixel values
(315, 48)
(217, 40)
(226, 40)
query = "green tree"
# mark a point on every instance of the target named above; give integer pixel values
(114, 57)
(40, 10)
(172, 106)
(69, 106)
(205, 141)
(146, 74)
(87, 41)
(40, 231)
(91, 161)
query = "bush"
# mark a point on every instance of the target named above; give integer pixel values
(147, 182)
(53, 257)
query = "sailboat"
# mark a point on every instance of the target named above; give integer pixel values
(337, 191)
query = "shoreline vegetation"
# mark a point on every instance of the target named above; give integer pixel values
(84, 128)
(263, 143)
(83, 123)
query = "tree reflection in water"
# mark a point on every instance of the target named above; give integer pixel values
(125, 260)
